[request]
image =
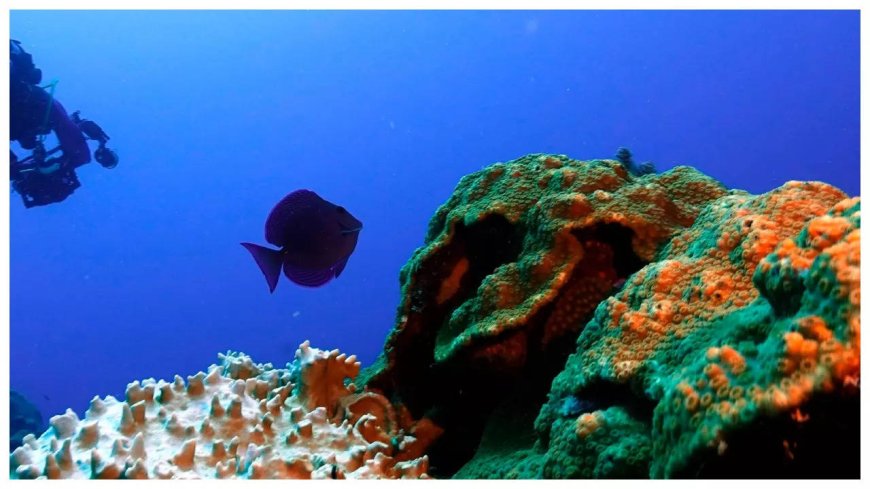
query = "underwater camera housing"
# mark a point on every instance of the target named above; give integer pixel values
(106, 157)
(38, 189)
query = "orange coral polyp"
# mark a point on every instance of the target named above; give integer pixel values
(685, 388)
(719, 382)
(793, 343)
(814, 327)
(691, 402)
(713, 371)
(736, 393)
(809, 349)
(712, 353)
(733, 359)
(587, 423)
(706, 399)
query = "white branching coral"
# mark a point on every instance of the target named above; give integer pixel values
(239, 420)
(323, 375)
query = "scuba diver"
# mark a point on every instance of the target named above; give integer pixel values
(43, 178)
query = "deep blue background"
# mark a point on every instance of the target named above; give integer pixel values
(218, 115)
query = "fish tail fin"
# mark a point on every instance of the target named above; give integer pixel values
(268, 260)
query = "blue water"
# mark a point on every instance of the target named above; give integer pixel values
(218, 115)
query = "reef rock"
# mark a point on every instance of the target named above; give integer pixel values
(735, 353)
(513, 265)
(573, 319)
(239, 420)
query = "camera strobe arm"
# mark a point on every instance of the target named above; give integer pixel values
(34, 160)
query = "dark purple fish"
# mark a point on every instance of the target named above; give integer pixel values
(315, 237)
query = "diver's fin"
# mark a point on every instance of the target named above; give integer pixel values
(268, 260)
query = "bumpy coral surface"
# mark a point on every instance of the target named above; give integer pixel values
(239, 420)
(514, 264)
(736, 352)
(508, 242)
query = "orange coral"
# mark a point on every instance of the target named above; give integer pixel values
(588, 423)
(451, 284)
(590, 282)
(689, 288)
(765, 289)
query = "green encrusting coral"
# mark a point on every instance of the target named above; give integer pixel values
(513, 266)
(732, 349)
(741, 383)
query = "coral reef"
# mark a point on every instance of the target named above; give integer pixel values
(564, 319)
(513, 265)
(714, 333)
(24, 418)
(239, 420)
(734, 354)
